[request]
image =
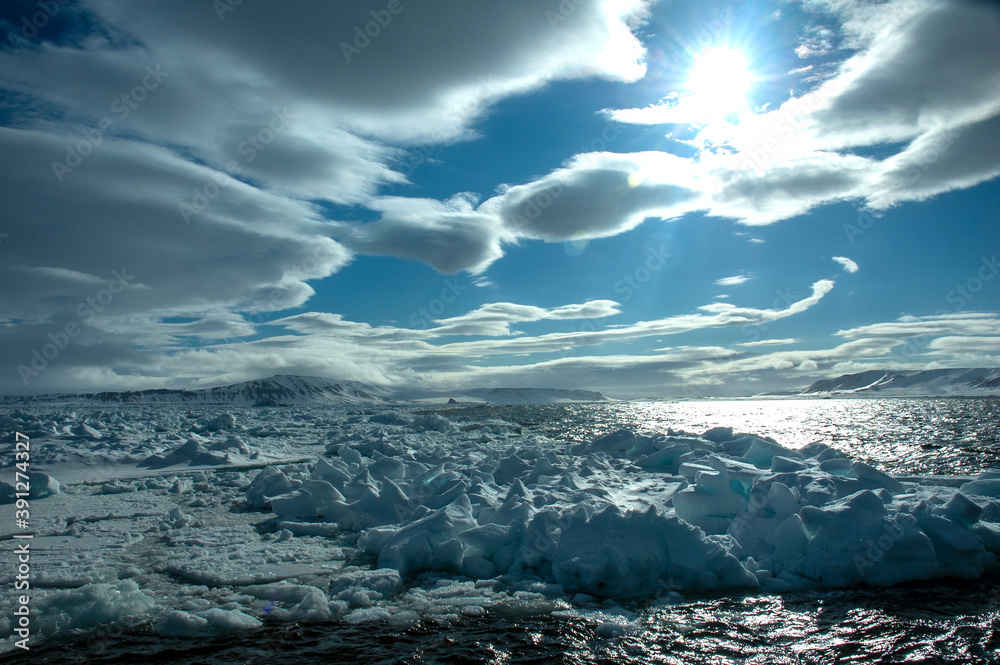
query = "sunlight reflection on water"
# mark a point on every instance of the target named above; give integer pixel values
(931, 435)
(953, 436)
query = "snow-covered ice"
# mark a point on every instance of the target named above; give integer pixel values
(220, 521)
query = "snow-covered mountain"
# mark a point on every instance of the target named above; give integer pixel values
(279, 389)
(288, 389)
(932, 382)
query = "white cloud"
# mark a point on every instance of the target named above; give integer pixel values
(734, 280)
(328, 344)
(847, 264)
(925, 66)
(965, 351)
(800, 360)
(619, 374)
(121, 209)
(714, 315)
(495, 319)
(673, 109)
(593, 195)
(779, 189)
(489, 320)
(596, 195)
(965, 345)
(941, 160)
(304, 120)
(592, 309)
(924, 75)
(770, 342)
(917, 78)
(421, 358)
(449, 236)
(243, 134)
(127, 259)
(958, 339)
(954, 324)
(429, 88)
(924, 72)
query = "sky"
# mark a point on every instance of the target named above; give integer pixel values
(667, 199)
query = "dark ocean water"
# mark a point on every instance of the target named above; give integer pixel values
(943, 622)
(931, 624)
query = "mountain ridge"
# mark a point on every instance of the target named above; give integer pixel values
(965, 381)
(277, 389)
(285, 389)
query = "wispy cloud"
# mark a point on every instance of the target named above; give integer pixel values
(954, 324)
(807, 360)
(330, 344)
(967, 345)
(735, 280)
(714, 315)
(770, 342)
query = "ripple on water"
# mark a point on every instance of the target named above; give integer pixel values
(899, 435)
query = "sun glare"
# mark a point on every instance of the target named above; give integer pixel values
(719, 81)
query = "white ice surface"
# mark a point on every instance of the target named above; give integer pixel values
(219, 521)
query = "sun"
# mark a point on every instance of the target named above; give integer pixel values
(719, 81)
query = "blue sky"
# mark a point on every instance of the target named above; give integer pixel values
(645, 198)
